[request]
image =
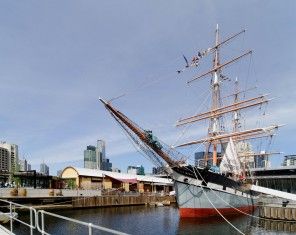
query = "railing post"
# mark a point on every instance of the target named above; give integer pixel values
(42, 222)
(90, 229)
(10, 211)
(31, 221)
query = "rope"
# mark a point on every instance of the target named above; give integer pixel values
(187, 127)
(253, 216)
(159, 78)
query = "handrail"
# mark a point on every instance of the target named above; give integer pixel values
(36, 216)
(90, 226)
(33, 215)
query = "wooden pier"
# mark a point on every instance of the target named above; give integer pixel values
(119, 200)
(278, 211)
(56, 203)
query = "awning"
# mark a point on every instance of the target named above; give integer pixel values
(131, 181)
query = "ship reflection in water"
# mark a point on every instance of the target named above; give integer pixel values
(216, 225)
(160, 221)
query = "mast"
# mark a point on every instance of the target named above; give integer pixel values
(240, 135)
(239, 105)
(217, 136)
(145, 136)
(214, 122)
(236, 113)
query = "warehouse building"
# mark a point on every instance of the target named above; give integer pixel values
(84, 178)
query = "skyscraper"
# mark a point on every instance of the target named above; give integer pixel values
(12, 153)
(90, 159)
(136, 170)
(29, 167)
(101, 153)
(95, 157)
(106, 165)
(23, 165)
(44, 169)
(158, 170)
(4, 159)
(289, 160)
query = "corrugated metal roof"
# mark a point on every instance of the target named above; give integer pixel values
(100, 173)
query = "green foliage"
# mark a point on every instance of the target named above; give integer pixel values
(71, 183)
(17, 181)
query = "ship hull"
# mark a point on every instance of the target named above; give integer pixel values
(202, 198)
(209, 212)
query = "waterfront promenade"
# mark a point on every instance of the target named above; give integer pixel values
(36, 193)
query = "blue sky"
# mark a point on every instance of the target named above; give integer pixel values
(58, 57)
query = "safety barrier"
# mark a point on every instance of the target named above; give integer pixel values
(37, 221)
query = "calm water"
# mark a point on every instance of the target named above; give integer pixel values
(159, 220)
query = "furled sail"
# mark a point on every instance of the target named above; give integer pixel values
(230, 162)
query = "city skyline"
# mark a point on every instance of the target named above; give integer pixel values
(57, 61)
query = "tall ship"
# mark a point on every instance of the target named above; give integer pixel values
(217, 184)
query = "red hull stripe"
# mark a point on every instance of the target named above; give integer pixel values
(208, 212)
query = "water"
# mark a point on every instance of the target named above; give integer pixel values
(155, 220)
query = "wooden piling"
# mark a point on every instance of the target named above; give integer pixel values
(118, 200)
(278, 212)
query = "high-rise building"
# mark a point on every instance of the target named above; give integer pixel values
(101, 153)
(116, 170)
(4, 159)
(136, 170)
(23, 165)
(158, 170)
(289, 160)
(106, 165)
(12, 150)
(29, 167)
(44, 169)
(95, 157)
(90, 157)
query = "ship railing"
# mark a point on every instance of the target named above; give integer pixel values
(89, 226)
(12, 215)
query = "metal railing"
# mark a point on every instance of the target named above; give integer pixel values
(12, 217)
(37, 220)
(89, 226)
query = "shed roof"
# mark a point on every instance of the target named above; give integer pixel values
(116, 175)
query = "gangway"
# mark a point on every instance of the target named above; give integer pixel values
(273, 192)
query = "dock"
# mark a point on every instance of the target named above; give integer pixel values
(60, 202)
(120, 200)
(283, 211)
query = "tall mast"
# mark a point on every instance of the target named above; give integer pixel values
(143, 135)
(217, 136)
(236, 112)
(214, 122)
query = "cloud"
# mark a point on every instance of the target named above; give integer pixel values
(56, 62)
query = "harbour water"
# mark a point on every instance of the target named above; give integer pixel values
(156, 220)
